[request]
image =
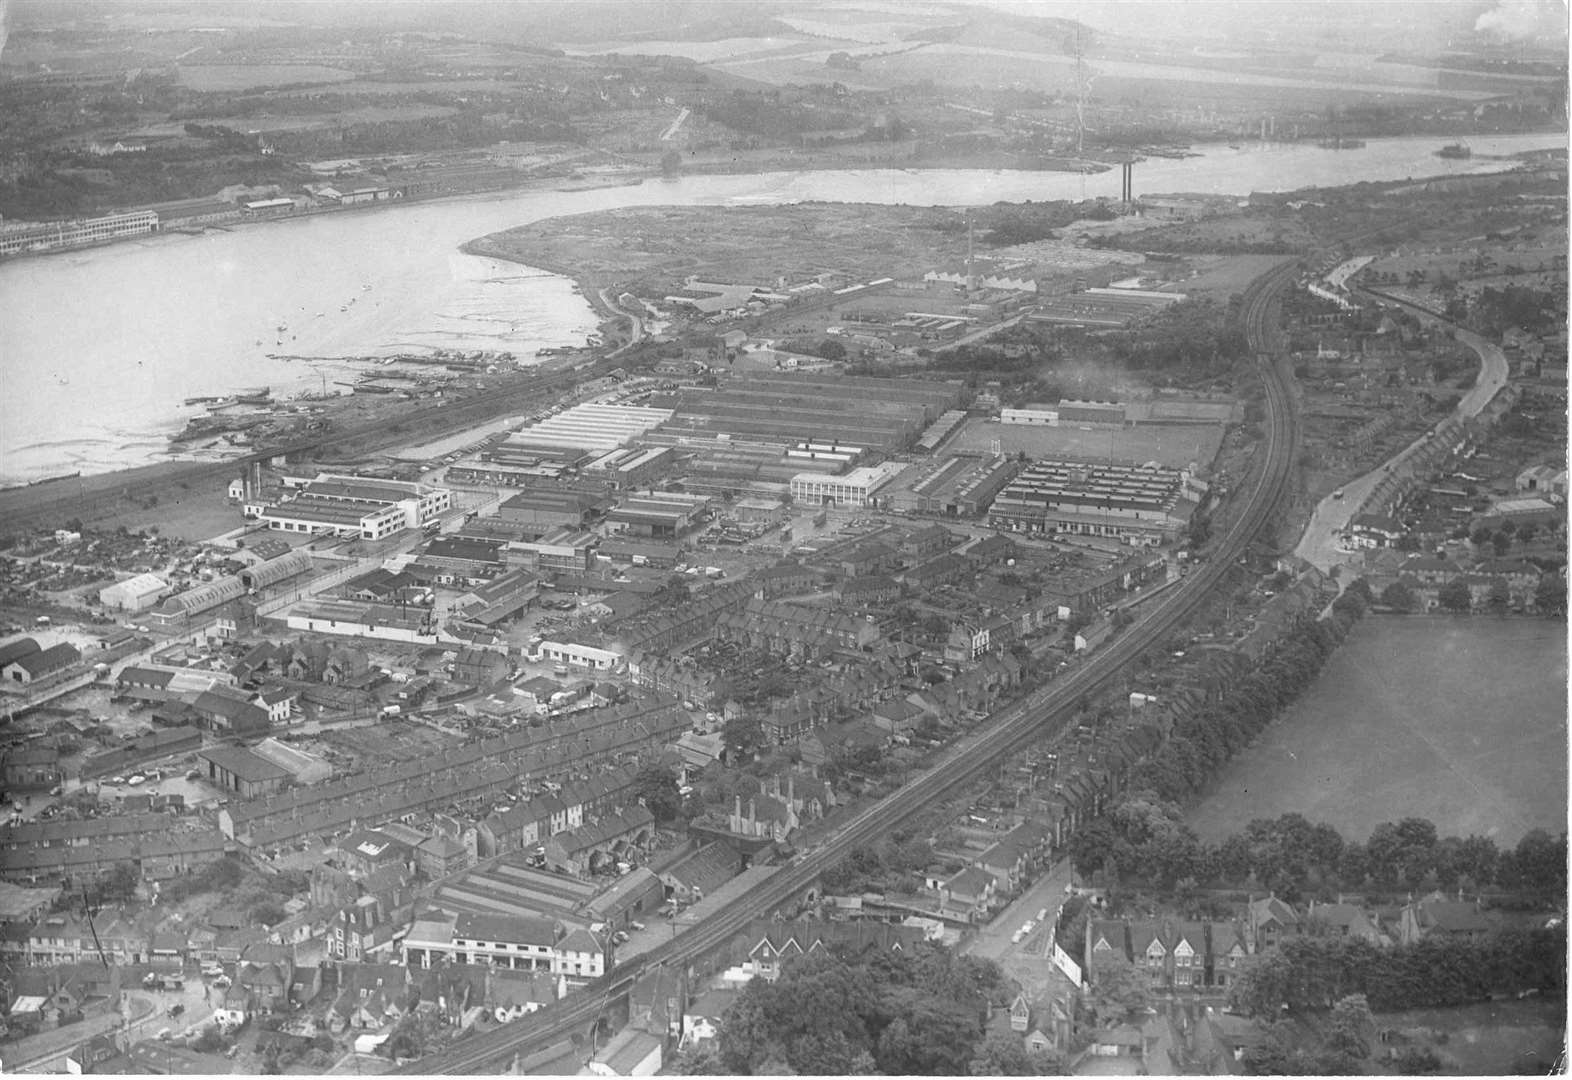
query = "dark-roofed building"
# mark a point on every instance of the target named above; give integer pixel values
(769, 946)
(1443, 920)
(232, 715)
(14, 650)
(32, 666)
(479, 667)
(29, 768)
(699, 873)
(239, 770)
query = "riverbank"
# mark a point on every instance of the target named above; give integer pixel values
(101, 394)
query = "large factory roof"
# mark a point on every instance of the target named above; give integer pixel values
(591, 427)
(203, 597)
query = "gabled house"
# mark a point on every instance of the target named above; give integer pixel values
(1443, 920)
(1340, 920)
(1268, 921)
(1227, 951)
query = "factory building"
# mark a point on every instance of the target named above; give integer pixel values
(589, 427)
(790, 408)
(623, 470)
(664, 515)
(1135, 504)
(963, 485)
(354, 506)
(134, 594)
(46, 235)
(543, 509)
(856, 488)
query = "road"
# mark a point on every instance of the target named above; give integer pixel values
(1320, 543)
(1042, 714)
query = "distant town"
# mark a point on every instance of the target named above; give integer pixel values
(1114, 636)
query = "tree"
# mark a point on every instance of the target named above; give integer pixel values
(1350, 1028)
(1550, 598)
(1500, 597)
(744, 736)
(657, 786)
(1455, 597)
(1399, 597)
(1117, 994)
(119, 885)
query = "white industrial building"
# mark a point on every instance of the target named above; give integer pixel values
(590, 427)
(357, 506)
(856, 488)
(134, 594)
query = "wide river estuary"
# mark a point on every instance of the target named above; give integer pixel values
(101, 347)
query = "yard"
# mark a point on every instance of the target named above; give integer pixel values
(1462, 721)
(1173, 445)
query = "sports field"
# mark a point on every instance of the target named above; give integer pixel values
(1174, 445)
(1462, 721)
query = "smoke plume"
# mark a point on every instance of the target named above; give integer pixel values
(1523, 20)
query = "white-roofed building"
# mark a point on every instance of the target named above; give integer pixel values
(134, 594)
(856, 488)
(591, 427)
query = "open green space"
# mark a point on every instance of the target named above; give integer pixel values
(1461, 721)
(1174, 445)
(211, 77)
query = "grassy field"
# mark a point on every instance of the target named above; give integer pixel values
(1172, 445)
(1462, 721)
(1516, 1038)
(209, 77)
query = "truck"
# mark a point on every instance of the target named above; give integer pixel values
(392, 710)
(714, 572)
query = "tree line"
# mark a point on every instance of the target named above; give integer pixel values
(1310, 974)
(842, 1012)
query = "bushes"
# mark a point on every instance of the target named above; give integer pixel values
(1308, 974)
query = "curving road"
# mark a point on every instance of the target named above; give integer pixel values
(1319, 544)
(1043, 713)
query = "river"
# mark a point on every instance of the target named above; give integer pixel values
(102, 346)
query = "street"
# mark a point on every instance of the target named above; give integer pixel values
(1320, 543)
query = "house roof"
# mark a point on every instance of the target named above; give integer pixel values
(712, 1004)
(970, 881)
(1451, 916)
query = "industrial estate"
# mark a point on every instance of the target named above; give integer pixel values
(829, 668)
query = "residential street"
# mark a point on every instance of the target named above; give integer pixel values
(1319, 544)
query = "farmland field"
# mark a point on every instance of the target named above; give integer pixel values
(1174, 445)
(1462, 721)
(210, 77)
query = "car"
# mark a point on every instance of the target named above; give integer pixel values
(636, 925)
(222, 982)
(165, 1033)
(135, 780)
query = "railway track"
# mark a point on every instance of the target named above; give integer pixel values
(1042, 714)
